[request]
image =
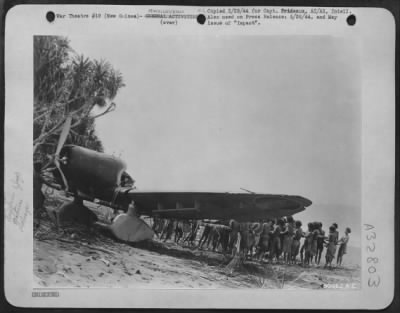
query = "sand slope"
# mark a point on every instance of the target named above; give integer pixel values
(77, 257)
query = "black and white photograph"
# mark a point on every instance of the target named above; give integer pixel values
(196, 162)
(207, 159)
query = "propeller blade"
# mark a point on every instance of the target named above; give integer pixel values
(57, 163)
(61, 142)
(64, 135)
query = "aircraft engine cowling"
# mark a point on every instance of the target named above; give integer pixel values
(91, 172)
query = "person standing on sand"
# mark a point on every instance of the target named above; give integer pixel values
(186, 231)
(205, 234)
(343, 246)
(224, 238)
(255, 232)
(245, 238)
(314, 245)
(330, 247)
(210, 237)
(308, 241)
(287, 240)
(298, 233)
(163, 227)
(320, 243)
(336, 231)
(271, 238)
(170, 229)
(178, 230)
(216, 237)
(263, 245)
(158, 225)
(276, 246)
(193, 234)
(233, 236)
(283, 233)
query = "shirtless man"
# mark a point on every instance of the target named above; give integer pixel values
(186, 231)
(276, 248)
(235, 229)
(264, 243)
(216, 237)
(331, 246)
(287, 240)
(343, 246)
(178, 231)
(224, 238)
(205, 234)
(255, 234)
(169, 229)
(211, 236)
(309, 236)
(245, 238)
(298, 234)
(320, 243)
(336, 231)
(191, 238)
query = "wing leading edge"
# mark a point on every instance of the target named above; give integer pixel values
(212, 205)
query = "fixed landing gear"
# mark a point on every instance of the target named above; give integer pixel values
(73, 211)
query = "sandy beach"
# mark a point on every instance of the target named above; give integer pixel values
(77, 257)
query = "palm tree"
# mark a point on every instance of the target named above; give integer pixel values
(66, 83)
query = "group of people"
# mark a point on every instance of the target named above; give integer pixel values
(274, 240)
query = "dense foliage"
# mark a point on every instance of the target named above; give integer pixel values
(67, 84)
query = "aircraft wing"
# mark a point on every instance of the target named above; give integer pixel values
(214, 205)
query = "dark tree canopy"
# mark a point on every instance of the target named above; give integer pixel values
(68, 84)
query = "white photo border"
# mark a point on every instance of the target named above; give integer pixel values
(375, 32)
